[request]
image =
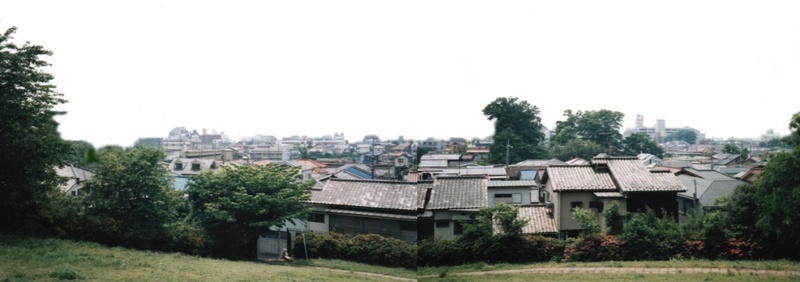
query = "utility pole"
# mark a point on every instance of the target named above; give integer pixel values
(508, 152)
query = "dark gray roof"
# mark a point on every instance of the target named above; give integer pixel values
(707, 174)
(539, 221)
(458, 193)
(578, 178)
(394, 195)
(632, 176)
(374, 214)
(708, 190)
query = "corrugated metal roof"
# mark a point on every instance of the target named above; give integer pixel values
(433, 163)
(511, 183)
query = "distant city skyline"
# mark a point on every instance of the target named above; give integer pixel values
(419, 69)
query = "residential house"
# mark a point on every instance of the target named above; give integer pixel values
(515, 192)
(605, 180)
(751, 175)
(75, 178)
(188, 167)
(452, 200)
(270, 153)
(528, 169)
(703, 191)
(388, 208)
(478, 154)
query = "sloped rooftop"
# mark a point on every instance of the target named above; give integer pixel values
(458, 193)
(394, 195)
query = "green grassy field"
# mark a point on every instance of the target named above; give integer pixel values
(612, 277)
(30, 259)
(752, 265)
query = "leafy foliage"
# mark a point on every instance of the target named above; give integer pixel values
(638, 143)
(237, 204)
(687, 135)
(32, 146)
(366, 248)
(517, 124)
(601, 127)
(615, 218)
(130, 198)
(576, 148)
(586, 220)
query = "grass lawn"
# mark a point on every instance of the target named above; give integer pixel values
(31, 259)
(753, 265)
(611, 277)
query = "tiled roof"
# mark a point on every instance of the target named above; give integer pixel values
(373, 214)
(632, 176)
(539, 222)
(511, 183)
(578, 178)
(423, 188)
(367, 193)
(458, 193)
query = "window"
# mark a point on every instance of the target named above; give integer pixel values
(596, 205)
(196, 166)
(442, 224)
(458, 228)
(574, 205)
(316, 217)
(508, 198)
(408, 226)
(178, 166)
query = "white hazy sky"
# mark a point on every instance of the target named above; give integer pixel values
(414, 68)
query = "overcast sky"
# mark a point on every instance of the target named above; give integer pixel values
(414, 68)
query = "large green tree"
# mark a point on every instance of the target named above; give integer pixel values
(32, 146)
(768, 211)
(130, 200)
(517, 130)
(687, 135)
(601, 127)
(237, 204)
(576, 148)
(638, 143)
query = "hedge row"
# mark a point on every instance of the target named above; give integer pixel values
(366, 248)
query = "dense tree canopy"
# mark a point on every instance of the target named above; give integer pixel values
(767, 210)
(687, 135)
(238, 204)
(32, 146)
(601, 127)
(518, 125)
(638, 143)
(576, 148)
(131, 194)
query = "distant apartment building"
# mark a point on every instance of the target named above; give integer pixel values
(659, 131)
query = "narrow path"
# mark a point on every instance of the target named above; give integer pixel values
(636, 270)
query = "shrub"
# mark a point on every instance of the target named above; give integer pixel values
(442, 252)
(595, 248)
(366, 248)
